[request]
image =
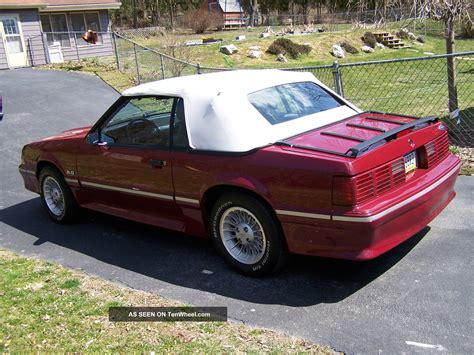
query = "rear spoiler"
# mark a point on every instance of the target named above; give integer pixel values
(384, 137)
(366, 145)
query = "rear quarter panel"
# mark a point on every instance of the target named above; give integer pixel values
(288, 180)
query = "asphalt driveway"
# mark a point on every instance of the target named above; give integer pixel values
(416, 298)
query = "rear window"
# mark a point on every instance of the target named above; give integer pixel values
(287, 102)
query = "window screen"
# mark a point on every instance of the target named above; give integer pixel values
(55, 27)
(287, 102)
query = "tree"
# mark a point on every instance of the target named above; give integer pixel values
(448, 11)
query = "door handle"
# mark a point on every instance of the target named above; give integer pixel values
(157, 163)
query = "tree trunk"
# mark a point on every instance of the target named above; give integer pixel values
(171, 12)
(253, 15)
(135, 18)
(452, 89)
(157, 13)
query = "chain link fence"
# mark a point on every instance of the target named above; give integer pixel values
(147, 64)
(412, 86)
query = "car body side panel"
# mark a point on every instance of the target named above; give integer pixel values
(122, 181)
(270, 173)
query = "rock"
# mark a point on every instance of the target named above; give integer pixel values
(367, 49)
(421, 39)
(264, 35)
(411, 35)
(281, 58)
(255, 54)
(403, 33)
(380, 45)
(337, 51)
(240, 38)
(255, 48)
(229, 49)
(194, 42)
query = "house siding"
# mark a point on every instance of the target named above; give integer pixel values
(3, 57)
(93, 50)
(30, 26)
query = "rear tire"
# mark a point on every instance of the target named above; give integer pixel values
(56, 196)
(247, 235)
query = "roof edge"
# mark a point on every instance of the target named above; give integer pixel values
(109, 6)
(23, 6)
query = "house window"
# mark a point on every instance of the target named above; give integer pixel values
(82, 22)
(55, 27)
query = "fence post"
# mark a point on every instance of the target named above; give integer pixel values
(162, 67)
(77, 48)
(198, 68)
(114, 40)
(136, 63)
(32, 53)
(46, 50)
(337, 78)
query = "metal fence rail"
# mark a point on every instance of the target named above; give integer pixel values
(412, 86)
(147, 64)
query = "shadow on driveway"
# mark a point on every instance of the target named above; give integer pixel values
(179, 259)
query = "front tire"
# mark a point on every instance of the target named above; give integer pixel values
(247, 235)
(56, 196)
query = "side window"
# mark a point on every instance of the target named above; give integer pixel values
(143, 121)
(180, 135)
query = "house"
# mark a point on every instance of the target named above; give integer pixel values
(230, 10)
(43, 31)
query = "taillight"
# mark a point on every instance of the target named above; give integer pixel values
(433, 152)
(343, 191)
(350, 191)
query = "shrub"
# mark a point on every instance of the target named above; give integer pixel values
(403, 33)
(467, 29)
(369, 39)
(349, 48)
(287, 46)
(201, 20)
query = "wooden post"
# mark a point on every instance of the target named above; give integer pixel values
(452, 89)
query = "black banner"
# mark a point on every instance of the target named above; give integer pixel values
(168, 314)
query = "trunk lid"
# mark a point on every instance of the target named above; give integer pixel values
(355, 136)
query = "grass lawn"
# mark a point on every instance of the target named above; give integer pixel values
(209, 55)
(47, 308)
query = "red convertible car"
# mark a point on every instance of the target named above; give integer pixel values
(263, 162)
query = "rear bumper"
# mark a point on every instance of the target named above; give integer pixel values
(364, 237)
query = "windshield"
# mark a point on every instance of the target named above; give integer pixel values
(287, 102)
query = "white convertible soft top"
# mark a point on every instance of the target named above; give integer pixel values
(219, 116)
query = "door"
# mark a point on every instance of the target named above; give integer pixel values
(13, 41)
(125, 167)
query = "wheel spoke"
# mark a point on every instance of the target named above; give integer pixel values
(242, 235)
(53, 196)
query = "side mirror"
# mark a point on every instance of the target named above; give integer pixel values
(1, 108)
(93, 138)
